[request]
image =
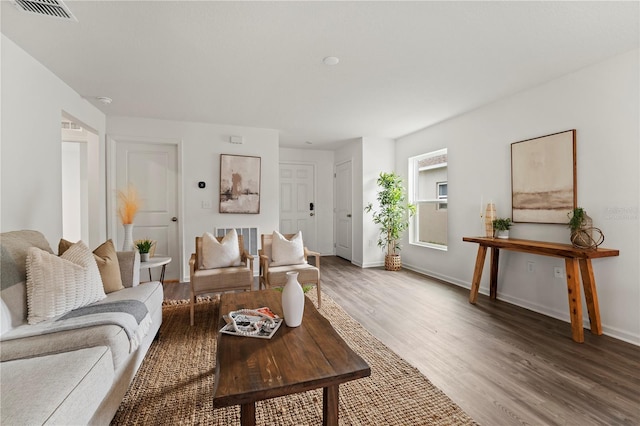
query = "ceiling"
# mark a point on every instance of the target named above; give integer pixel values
(403, 65)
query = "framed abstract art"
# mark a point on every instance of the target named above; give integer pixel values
(239, 184)
(543, 178)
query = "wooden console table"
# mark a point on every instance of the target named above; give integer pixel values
(575, 259)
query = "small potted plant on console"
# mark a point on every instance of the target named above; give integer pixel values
(501, 227)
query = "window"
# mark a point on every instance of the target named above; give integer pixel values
(441, 190)
(429, 191)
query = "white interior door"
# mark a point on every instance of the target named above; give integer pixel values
(343, 210)
(297, 198)
(152, 168)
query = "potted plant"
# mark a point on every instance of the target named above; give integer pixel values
(393, 217)
(144, 247)
(501, 227)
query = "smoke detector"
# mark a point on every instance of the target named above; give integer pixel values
(51, 8)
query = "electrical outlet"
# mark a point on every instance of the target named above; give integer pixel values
(558, 272)
(531, 267)
(206, 204)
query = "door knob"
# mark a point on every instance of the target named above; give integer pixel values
(349, 215)
(312, 214)
(174, 219)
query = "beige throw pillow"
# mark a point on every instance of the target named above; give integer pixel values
(57, 285)
(287, 252)
(220, 254)
(108, 265)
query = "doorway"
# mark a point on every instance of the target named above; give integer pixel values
(297, 201)
(79, 145)
(343, 214)
(151, 167)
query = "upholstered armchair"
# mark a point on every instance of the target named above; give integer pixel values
(219, 268)
(274, 265)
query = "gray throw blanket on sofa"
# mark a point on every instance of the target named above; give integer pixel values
(132, 315)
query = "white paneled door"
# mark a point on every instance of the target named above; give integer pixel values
(343, 213)
(152, 168)
(297, 198)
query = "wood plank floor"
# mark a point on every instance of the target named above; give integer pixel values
(502, 364)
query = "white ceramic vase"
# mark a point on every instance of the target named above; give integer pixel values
(127, 245)
(292, 301)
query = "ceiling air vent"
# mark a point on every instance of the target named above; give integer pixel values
(52, 8)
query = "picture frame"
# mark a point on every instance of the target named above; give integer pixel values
(239, 184)
(543, 178)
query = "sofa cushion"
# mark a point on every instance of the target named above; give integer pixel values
(220, 254)
(65, 388)
(56, 285)
(107, 260)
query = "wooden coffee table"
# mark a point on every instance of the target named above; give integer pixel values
(294, 360)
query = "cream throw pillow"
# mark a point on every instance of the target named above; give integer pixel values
(287, 252)
(221, 254)
(57, 285)
(108, 265)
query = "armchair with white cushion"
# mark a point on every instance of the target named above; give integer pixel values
(219, 264)
(283, 253)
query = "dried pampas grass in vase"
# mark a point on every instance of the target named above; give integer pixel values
(129, 204)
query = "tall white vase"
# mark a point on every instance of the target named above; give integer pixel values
(127, 245)
(292, 301)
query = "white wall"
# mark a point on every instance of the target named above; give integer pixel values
(323, 162)
(378, 155)
(202, 145)
(601, 102)
(33, 102)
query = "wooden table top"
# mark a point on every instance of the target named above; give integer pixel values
(543, 247)
(294, 360)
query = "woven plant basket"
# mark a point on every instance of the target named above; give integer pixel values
(392, 262)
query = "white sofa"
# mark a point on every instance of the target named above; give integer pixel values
(74, 376)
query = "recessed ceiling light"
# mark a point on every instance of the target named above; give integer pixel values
(331, 60)
(104, 100)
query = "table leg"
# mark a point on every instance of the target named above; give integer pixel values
(162, 274)
(477, 274)
(493, 283)
(591, 296)
(150, 279)
(330, 406)
(248, 414)
(575, 304)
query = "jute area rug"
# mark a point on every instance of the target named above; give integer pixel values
(175, 382)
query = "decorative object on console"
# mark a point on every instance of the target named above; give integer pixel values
(239, 184)
(144, 246)
(582, 230)
(129, 206)
(501, 227)
(543, 178)
(393, 217)
(292, 301)
(489, 217)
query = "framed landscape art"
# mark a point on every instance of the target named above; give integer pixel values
(239, 184)
(543, 178)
